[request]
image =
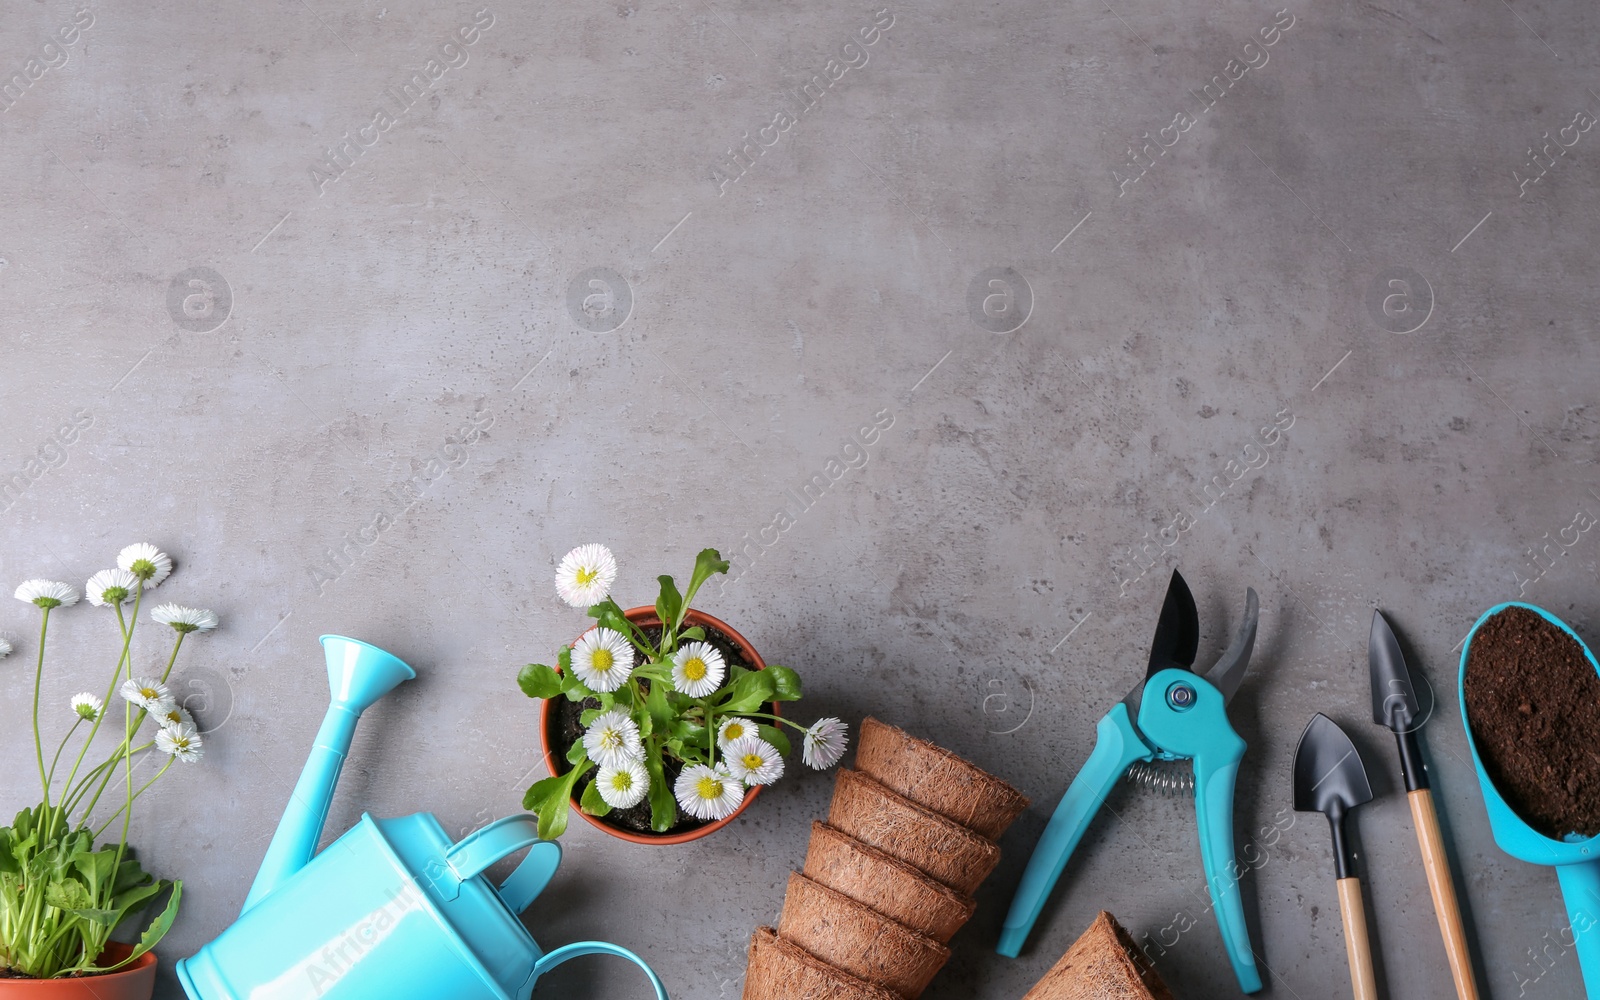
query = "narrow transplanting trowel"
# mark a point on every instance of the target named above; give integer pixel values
(1330, 778)
(1395, 704)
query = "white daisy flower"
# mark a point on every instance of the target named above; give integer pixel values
(625, 786)
(825, 743)
(87, 706)
(707, 794)
(47, 594)
(182, 742)
(753, 760)
(602, 659)
(145, 693)
(732, 729)
(5, 648)
(612, 740)
(184, 619)
(585, 575)
(111, 587)
(146, 562)
(170, 713)
(697, 669)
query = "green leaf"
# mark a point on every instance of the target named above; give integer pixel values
(592, 803)
(663, 807)
(551, 797)
(709, 561)
(588, 715)
(774, 735)
(688, 731)
(660, 711)
(694, 632)
(785, 683)
(746, 694)
(573, 688)
(669, 605)
(159, 926)
(68, 894)
(539, 791)
(539, 681)
(577, 754)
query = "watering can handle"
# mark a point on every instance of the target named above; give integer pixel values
(483, 847)
(579, 948)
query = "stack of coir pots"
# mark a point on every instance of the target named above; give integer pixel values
(888, 878)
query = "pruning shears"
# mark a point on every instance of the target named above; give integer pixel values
(1173, 714)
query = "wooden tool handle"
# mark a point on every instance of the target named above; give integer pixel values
(1437, 865)
(1362, 981)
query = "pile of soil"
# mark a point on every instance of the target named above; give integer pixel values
(567, 730)
(1533, 701)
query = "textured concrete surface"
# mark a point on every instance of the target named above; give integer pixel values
(274, 279)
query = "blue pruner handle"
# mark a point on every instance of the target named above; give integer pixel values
(1185, 715)
(1580, 888)
(1117, 744)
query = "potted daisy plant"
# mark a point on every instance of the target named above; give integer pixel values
(61, 897)
(660, 723)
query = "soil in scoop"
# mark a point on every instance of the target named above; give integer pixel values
(566, 729)
(1533, 700)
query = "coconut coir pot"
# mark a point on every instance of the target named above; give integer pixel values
(859, 940)
(885, 883)
(940, 847)
(937, 779)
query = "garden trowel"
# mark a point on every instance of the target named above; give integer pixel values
(1329, 778)
(1395, 704)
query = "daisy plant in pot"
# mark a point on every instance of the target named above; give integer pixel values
(660, 723)
(61, 896)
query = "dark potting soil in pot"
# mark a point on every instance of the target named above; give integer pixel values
(567, 730)
(1533, 700)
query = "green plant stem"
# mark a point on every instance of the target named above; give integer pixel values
(141, 791)
(173, 658)
(127, 657)
(82, 788)
(111, 693)
(776, 718)
(711, 730)
(38, 680)
(50, 779)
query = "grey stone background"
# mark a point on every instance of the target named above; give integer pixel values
(989, 578)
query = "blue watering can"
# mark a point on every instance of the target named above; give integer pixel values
(392, 909)
(1577, 858)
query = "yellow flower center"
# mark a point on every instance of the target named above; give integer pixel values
(147, 692)
(181, 742)
(622, 781)
(610, 739)
(601, 660)
(709, 787)
(694, 668)
(733, 732)
(586, 576)
(753, 761)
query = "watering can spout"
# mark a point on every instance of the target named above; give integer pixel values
(358, 675)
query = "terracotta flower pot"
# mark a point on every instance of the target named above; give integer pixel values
(645, 616)
(136, 982)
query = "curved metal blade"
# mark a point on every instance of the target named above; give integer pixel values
(1328, 772)
(1177, 631)
(1227, 673)
(1394, 692)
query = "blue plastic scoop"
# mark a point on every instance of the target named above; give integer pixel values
(1577, 858)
